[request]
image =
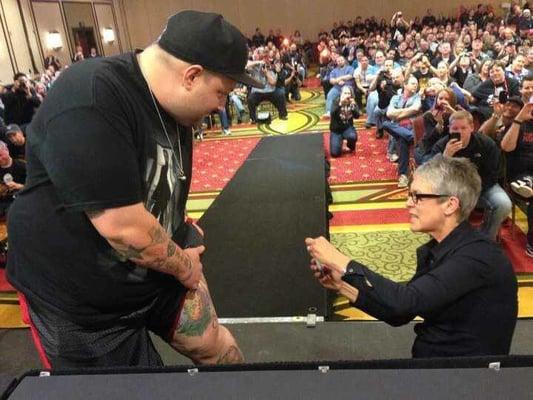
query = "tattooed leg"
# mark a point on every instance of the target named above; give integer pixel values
(198, 334)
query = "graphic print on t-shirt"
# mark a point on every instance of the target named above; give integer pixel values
(164, 188)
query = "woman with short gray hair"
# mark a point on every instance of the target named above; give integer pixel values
(464, 287)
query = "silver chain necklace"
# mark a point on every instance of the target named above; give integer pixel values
(179, 163)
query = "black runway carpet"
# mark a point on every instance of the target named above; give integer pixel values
(256, 262)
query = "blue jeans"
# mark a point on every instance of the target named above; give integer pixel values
(496, 207)
(223, 115)
(336, 138)
(237, 102)
(333, 95)
(421, 157)
(371, 104)
(404, 137)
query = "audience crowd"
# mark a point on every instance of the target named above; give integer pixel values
(409, 75)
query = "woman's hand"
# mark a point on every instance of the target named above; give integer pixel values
(325, 253)
(328, 278)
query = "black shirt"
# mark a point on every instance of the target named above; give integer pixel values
(464, 288)
(487, 88)
(95, 143)
(342, 117)
(19, 109)
(520, 160)
(482, 151)
(16, 172)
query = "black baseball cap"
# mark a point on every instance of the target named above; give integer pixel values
(209, 40)
(516, 100)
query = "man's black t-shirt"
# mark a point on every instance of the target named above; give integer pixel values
(16, 171)
(521, 158)
(95, 143)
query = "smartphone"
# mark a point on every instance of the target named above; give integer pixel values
(455, 135)
(531, 99)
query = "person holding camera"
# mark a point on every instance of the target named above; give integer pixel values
(436, 124)
(483, 152)
(498, 86)
(518, 144)
(21, 101)
(263, 71)
(341, 124)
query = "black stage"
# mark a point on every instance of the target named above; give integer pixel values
(400, 379)
(256, 262)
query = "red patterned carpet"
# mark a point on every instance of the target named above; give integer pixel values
(216, 161)
(367, 164)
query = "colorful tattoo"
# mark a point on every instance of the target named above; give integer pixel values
(196, 314)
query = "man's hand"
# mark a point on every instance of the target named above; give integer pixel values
(498, 108)
(452, 147)
(14, 185)
(525, 113)
(192, 276)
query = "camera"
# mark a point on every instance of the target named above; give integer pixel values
(503, 97)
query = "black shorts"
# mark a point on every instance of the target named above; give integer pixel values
(64, 344)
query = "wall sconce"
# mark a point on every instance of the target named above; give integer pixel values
(108, 35)
(53, 40)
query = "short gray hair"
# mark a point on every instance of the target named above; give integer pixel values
(453, 176)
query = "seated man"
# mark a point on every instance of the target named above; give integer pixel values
(464, 288)
(483, 152)
(12, 178)
(518, 143)
(236, 97)
(401, 109)
(340, 76)
(16, 141)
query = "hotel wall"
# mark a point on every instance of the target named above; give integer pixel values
(146, 18)
(25, 25)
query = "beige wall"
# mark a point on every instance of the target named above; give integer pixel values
(104, 18)
(6, 68)
(20, 51)
(48, 18)
(146, 18)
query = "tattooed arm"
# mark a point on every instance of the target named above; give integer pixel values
(138, 236)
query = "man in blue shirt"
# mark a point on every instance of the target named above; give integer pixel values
(340, 76)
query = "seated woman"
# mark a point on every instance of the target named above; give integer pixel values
(341, 125)
(464, 286)
(436, 124)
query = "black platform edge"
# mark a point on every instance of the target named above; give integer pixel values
(518, 361)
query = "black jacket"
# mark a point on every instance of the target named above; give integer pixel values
(464, 288)
(482, 151)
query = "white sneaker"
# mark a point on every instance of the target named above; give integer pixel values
(326, 115)
(403, 181)
(394, 157)
(522, 189)
(226, 132)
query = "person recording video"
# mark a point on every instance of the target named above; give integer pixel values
(341, 125)
(262, 69)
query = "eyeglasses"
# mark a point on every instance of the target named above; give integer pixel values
(415, 197)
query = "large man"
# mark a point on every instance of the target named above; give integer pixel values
(99, 246)
(483, 152)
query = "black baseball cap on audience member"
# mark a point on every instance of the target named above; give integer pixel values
(12, 128)
(516, 100)
(209, 40)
